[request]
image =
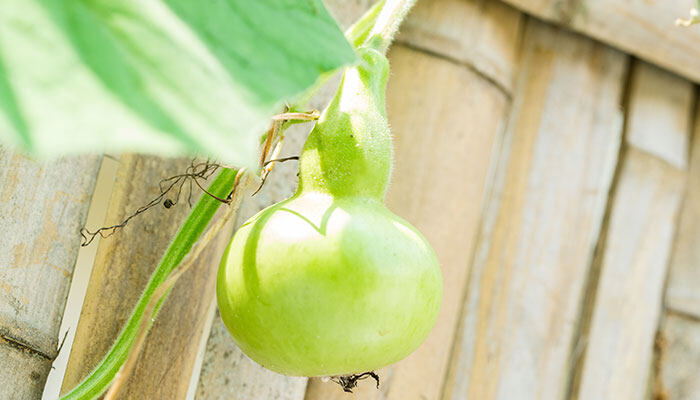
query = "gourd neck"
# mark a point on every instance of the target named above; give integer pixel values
(349, 151)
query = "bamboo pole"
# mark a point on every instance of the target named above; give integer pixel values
(42, 208)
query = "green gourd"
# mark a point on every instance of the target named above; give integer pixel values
(330, 282)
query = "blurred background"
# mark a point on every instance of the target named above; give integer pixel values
(548, 149)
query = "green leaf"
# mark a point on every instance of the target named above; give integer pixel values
(168, 77)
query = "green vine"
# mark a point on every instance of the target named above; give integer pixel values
(189, 233)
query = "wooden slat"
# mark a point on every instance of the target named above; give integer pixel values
(683, 290)
(97, 211)
(42, 208)
(628, 297)
(543, 221)
(23, 371)
(123, 265)
(680, 358)
(660, 109)
(480, 33)
(446, 129)
(640, 27)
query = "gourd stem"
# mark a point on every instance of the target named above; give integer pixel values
(200, 216)
(358, 32)
(387, 23)
(380, 23)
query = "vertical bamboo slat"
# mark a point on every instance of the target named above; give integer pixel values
(42, 208)
(628, 299)
(543, 221)
(679, 351)
(447, 210)
(661, 107)
(683, 290)
(123, 265)
(447, 120)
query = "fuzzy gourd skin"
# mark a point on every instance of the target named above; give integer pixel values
(329, 281)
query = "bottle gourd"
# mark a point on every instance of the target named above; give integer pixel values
(330, 282)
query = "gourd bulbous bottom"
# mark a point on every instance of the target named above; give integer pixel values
(319, 286)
